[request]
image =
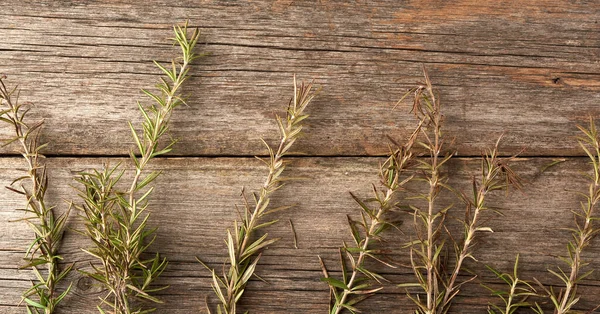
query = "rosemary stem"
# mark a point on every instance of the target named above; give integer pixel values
(582, 241)
(244, 251)
(251, 223)
(433, 187)
(470, 234)
(513, 288)
(35, 201)
(115, 218)
(263, 195)
(151, 143)
(430, 273)
(362, 254)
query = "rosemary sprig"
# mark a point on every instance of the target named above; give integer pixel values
(584, 231)
(427, 250)
(244, 252)
(354, 286)
(518, 292)
(116, 221)
(495, 175)
(47, 226)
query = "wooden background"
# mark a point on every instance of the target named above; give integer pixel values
(527, 68)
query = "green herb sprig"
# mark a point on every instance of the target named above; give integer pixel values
(116, 220)
(354, 285)
(585, 229)
(244, 251)
(47, 226)
(517, 294)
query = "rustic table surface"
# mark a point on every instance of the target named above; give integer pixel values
(528, 69)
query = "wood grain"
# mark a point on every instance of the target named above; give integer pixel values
(528, 69)
(194, 204)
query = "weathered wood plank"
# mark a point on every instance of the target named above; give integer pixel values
(529, 69)
(194, 204)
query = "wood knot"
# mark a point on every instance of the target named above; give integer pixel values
(84, 283)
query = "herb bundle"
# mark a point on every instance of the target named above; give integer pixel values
(244, 251)
(47, 226)
(115, 219)
(438, 282)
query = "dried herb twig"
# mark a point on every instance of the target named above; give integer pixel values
(115, 220)
(426, 252)
(495, 175)
(244, 252)
(354, 287)
(47, 226)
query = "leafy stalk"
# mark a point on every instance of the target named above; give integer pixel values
(115, 220)
(584, 231)
(46, 225)
(354, 286)
(517, 295)
(495, 175)
(244, 250)
(426, 251)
